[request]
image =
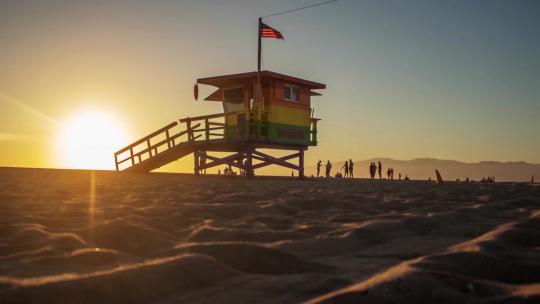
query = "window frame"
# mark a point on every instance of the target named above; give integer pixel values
(290, 87)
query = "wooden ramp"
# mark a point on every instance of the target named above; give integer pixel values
(170, 143)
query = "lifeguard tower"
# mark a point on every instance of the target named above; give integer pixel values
(261, 110)
(280, 118)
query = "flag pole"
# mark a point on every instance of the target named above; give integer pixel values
(259, 88)
(259, 50)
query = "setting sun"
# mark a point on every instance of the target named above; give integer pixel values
(88, 140)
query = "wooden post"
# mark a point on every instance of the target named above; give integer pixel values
(168, 140)
(314, 132)
(196, 162)
(148, 144)
(206, 126)
(190, 131)
(301, 164)
(249, 163)
(116, 161)
(131, 156)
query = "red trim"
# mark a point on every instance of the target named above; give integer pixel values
(225, 80)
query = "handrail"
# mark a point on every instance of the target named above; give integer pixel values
(154, 146)
(147, 137)
(202, 117)
(193, 132)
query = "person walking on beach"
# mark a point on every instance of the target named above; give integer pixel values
(346, 169)
(328, 168)
(319, 164)
(380, 170)
(351, 175)
(372, 169)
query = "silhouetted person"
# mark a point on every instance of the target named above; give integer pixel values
(399, 175)
(380, 170)
(407, 178)
(351, 165)
(388, 172)
(346, 169)
(202, 162)
(328, 168)
(319, 164)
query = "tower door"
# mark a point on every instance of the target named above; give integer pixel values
(233, 107)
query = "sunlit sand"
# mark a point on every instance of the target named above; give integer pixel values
(104, 237)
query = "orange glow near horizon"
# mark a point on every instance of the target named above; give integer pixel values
(88, 140)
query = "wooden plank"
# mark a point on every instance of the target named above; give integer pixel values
(281, 161)
(211, 123)
(224, 160)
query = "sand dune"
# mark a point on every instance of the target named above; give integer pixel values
(84, 237)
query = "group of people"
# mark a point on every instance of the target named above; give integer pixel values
(374, 168)
(390, 173)
(348, 169)
(489, 179)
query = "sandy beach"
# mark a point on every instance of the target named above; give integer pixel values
(103, 237)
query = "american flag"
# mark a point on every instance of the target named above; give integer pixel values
(268, 32)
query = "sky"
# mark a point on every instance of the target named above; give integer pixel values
(405, 79)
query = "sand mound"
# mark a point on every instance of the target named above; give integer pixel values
(135, 283)
(256, 259)
(486, 269)
(170, 238)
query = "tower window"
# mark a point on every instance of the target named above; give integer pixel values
(291, 93)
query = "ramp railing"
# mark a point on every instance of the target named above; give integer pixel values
(168, 137)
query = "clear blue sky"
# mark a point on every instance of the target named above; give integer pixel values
(447, 79)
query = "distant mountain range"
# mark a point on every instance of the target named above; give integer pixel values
(423, 168)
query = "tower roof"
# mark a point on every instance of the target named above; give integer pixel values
(237, 79)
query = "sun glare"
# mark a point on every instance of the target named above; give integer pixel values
(89, 139)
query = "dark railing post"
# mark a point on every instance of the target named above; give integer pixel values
(131, 156)
(301, 164)
(190, 131)
(116, 161)
(148, 147)
(249, 163)
(168, 138)
(206, 126)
